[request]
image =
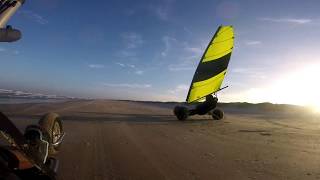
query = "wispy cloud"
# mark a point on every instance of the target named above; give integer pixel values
(162, 11)
(34, 17)
(255, 73)
(131, 67)
(125, 53)
(96, 66)
(179, 67)
(168, 41)
(139, 72)
(9, 51)
(120, 64)
(252, 43)
(125, 65)
(132, 40)
(125, 85)
(179, 89)
(298, 21)
(195, 50)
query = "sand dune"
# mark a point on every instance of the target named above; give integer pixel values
(140, 140)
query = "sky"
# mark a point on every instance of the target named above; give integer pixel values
(149, 49)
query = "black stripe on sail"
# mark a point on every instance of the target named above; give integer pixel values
(209, 69)
(214, 36)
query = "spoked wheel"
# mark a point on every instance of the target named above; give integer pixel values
(51, 124)
(217, 114)
(181, 112)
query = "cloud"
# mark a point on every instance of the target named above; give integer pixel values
(255, 73)
(126, 54)
(168, 41)
(2, 49)
(179, 67)
(131, 67)
(125, 65)
(96, 66)
(187, 30)
(34, 17)
(195, 50)
(179, 89)
(298, 21)
(120, 64)
(162, 11)
(139, 72)
(252, 43)
(5, 91)
(132, 40)
(125, 85)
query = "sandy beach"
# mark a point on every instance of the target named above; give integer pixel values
(139, 140)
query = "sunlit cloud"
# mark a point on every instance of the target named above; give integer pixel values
(125, 85)
(299, 21)
(96, 66)
(34, 17)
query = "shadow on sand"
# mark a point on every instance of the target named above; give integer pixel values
(119, 117)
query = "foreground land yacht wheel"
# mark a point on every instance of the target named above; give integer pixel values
(217, 114)
(51, 124)
(181, 112)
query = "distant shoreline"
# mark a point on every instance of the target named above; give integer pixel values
(29, 100)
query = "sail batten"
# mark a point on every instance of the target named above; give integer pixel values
(213, 65)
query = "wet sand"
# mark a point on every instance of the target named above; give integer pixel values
(136, 140)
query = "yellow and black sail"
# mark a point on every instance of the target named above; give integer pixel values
(213, 65)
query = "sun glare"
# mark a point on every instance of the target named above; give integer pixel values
(299, 87)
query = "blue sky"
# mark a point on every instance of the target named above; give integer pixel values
(149, 49)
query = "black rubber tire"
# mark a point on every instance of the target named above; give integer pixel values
(181, 113)
(48, 123)
(217, 114)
